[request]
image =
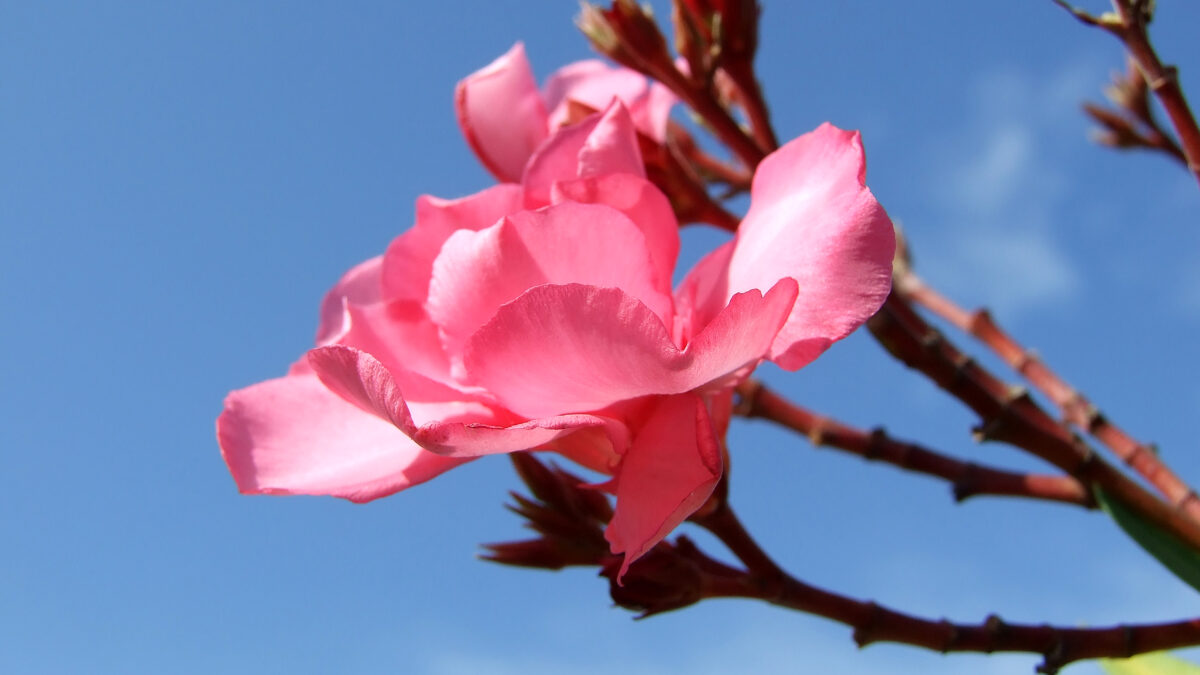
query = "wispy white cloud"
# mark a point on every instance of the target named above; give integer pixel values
(1004, 189)
(1011, 270)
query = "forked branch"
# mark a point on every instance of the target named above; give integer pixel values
(1129, 24)
(872, 622)
(968, 479)
(1073, 405)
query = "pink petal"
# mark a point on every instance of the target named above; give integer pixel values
(293, 436)
(812, 219)
(409, 259)
(401, 336)
(668, 473)
(595, 84)
(575, 348)
(361, 285)
(501, 114)
(703, 293)
(604, 143)
(652, 112)
(452, 430)
(591, 244)
(645, 205)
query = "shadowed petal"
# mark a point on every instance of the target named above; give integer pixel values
(409, 259)
(604, 143)
(477, 272)
(453, 430)
(668, 473)
(645, 205)
(562, 349)
(595, 84)
(293, 436)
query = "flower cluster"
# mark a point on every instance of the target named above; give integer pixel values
(539, 313)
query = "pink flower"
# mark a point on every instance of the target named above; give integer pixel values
(504, 118)
(541, 316)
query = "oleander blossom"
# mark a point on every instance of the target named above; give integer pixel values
(504, 116)
(540, 316)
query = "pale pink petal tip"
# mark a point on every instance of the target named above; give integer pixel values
(501, 114)
(812, 218)
(292, 435)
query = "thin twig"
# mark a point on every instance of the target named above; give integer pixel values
(1128, 24)
(750, 98)
(967, 479)
(1074, 406)
(723, 125)
(873, 622)
(1010, 415)
(706, 165)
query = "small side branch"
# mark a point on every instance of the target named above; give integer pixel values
(765, 580)
(1011, 416)
(1128, 23)
(967, 479)
(1074, 406)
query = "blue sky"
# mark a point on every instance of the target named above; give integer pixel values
(181, 182)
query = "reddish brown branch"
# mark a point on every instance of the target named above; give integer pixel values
(1074, 406)
(968, 479)
(1132, 124)
(872, 622)
(706, 165)
(701, 99)
(1129, 26)
(750, 98)
(1011, 416)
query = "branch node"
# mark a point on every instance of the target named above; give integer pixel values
(1022, 361)
(965, 485)
(995, 627)
(1054, 658)
(1181, 504)
(747, 403)
(874, 449)
(862, 634)
(979, 316)
(1086, 459)
(952, 636)
(1169, 77)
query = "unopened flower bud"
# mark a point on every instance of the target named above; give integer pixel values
(660, 581)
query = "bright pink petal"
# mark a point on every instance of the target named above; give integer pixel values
(409, 258)
(812, 219)
(668, 473)
(604, 143)
(451, 430)
(574, 348)
(477, 272)
(645, 205)
(501, 114)
(293, 436)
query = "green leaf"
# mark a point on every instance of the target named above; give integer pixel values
(1158, 663)
(1175, 555)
